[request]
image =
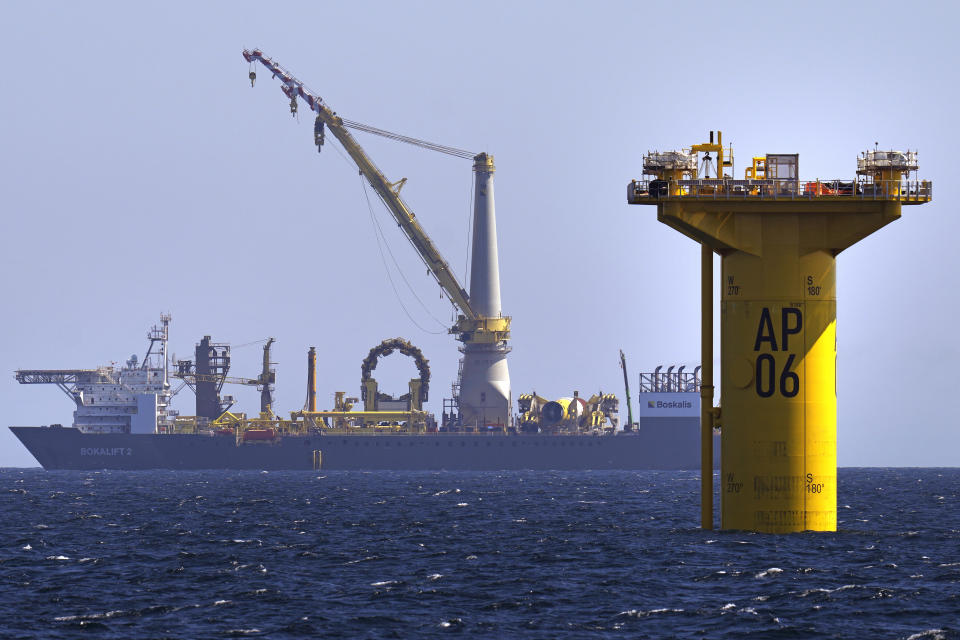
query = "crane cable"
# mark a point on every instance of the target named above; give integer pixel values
(466, 261)
(378, 233)
(460, 153)
(247, 344)
(299, 88)
(416, 250)
(377, 228)
(433, 146)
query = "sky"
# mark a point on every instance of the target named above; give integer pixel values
(141, 174)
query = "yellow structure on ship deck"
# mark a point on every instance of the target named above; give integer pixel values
(778, 239)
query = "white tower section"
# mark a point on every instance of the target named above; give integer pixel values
(485, 397)
(485, 266)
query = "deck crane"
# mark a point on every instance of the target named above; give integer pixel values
(484, 386)
(186, 370)
(626, 385)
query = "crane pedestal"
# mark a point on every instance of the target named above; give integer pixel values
(485, 397)
(778, 241)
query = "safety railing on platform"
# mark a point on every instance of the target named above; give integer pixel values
(372, 433)
(670, 382)
(769, 189)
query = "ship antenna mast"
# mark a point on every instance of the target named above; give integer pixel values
(158, 334)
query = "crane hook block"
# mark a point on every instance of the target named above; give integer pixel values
(318, 134)
(293, 106)
(253, 77)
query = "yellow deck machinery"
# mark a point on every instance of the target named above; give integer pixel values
(778, 239)
(208, 373)
(207, 376)
(381, 412)
(599, 412)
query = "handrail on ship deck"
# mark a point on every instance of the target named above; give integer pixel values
(903, 191)
(365, 432)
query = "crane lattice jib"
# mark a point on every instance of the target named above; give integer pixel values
(438, 266)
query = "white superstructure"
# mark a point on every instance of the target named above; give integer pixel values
(129, 399)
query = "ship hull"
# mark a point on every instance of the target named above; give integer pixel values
(68, 448)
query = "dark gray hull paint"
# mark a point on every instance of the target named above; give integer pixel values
(67, 448)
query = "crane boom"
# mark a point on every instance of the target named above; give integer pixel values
(388, 192)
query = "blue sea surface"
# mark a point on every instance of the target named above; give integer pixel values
(164, 554)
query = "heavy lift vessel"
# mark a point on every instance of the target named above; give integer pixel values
(122, 420)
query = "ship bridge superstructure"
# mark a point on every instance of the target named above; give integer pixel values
(133, 398)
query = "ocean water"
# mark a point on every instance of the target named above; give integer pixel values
(491, 555)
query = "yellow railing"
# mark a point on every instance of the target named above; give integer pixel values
(905, 191)
(364, 431)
